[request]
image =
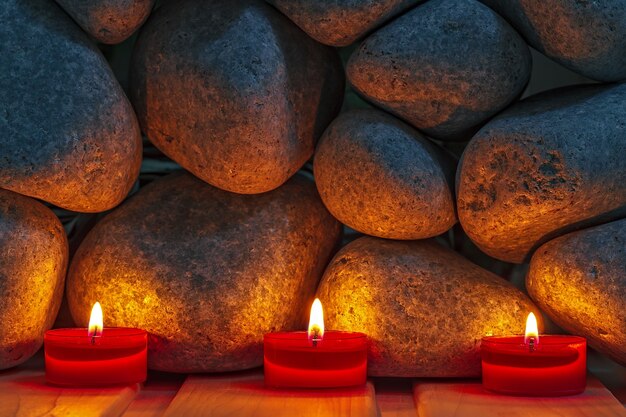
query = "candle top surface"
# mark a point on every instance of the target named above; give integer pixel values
(108, 332)
(328, 335)
(548, 339)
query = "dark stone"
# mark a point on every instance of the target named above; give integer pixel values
(233, 91)
(341, 22)
(579, 280)
(445, 67)
(108, 21)
(423, 307)
(33, 261)
(548, 165)
(68, 135)
(381, 177)
(206, 272)
(588, 37)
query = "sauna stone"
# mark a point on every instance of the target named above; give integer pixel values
(423, 307)
(381, 177)
(588, 37)
(108, 21)
(341, 22)
(548, 165)
(233, 91)
(33, 262)
(206, 272)
(68, 134)
(445, 67)
(579, 280)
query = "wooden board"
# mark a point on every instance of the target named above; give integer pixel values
(24, 393)
(394, 397)
(244, 394)
(155, 395)
(469, 399)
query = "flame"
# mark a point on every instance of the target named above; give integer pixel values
(316, 322)
(531, 329)
(95, 321)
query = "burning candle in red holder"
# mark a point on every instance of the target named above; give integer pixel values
(533, 365)
(316, 358)
(96, 356)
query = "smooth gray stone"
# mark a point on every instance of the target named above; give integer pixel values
(445, 67)
(206, 272)
(546, 166)
(68, 134)
(586, 36)
(579, 280)
(233, 91)
(341, 22)
(108, 21)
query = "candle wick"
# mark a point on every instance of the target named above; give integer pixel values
(93, 336)
(531, 344)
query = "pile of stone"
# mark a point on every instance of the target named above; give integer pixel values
(241, 94)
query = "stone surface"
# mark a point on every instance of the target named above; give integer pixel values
(33, 261)
(108, 21)
(546, 166)
(445, 67)
(206, 272)
(233, 91)
(423, 307)
(68, 135)
(381, 177)
(579, 280)
(341, 22)
(588, 37)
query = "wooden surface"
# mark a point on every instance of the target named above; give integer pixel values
(394, 397)
(24, 393)
(437, 399)
(244, 394)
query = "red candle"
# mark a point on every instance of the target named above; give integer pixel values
(96, 356)
(530, 365)
(315, 359)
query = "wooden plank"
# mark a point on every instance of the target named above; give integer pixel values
(469, 399)
(394, 397)
(155, 395)
(244, 394)
(24, 393)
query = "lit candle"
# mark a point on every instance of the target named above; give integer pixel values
(96, 356)
(315, 358)
(533, 365)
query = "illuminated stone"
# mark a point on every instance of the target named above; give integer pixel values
(588, 37)
(206, 272)
(381, 177)
(68, 135)
(579, 280)
(341, 22)
(108, 21)
(548, 165)
(423, 307)
(33, 261)
(233, 91)
(445, 66)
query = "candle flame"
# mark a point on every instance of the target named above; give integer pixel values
(316, 321)
(532, 332)
(95, 321)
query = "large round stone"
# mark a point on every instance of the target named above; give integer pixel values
(33, 260)
(381, 177)
(423, 307)
(108, 21)
(233, 91)
(445, 67)
(206, 272)
(579, 280)
(588, 37)
(68, 135)
(341, 22)
(548, 165)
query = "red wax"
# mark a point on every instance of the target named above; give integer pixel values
(338, 360)
(556, 366)
(118, 357)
